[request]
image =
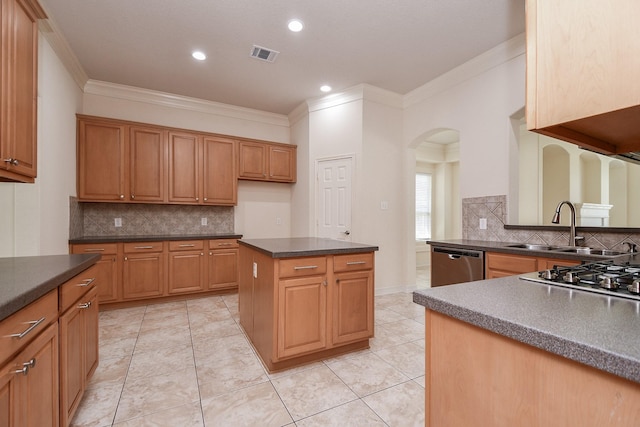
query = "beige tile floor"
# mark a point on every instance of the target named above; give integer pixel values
(188, 363)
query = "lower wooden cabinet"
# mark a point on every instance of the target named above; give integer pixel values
(503, 264)
(186, 266)
(29, 384)
(297, 310)
(143, 272)
(138, 271)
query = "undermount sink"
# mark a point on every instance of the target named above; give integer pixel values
(575, 250)
(532, 247)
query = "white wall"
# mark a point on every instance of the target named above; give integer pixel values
(34, 219)
(477, 99)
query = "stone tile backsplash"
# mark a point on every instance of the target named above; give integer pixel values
(494, 209)
(98, 219)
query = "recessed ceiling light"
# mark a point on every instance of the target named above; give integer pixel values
(200, 56)
(295, 25)
(325, 88)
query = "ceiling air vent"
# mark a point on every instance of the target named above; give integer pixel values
(264, 54)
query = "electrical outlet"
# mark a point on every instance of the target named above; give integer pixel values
(483, 224)
(203, 221)
(278, 221)
(384, 205)
(117, 222)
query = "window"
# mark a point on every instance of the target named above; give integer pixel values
(423, 206)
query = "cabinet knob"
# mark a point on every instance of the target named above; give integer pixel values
(12, 161)
(122, 196)
(133, 196)
(205, 199)
(196, 199)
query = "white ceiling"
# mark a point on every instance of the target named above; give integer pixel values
(397, 45)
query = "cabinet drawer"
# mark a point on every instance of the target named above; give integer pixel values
(73, 289)
(295, 267)
(20, 328)
(141, 247)
(511, 263)
(186, 245)
(353, 262)
(99, 248)
(223, 243)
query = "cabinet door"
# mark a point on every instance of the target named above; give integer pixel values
(184, 168)
(101, 160)
(302, 310)
(219, 176)
(18, 146)
(282, 163)
(252, 160)
(352, 306)
(186, 271)
(29, 384)
(107, 270)
(78, 352)
(147, 164)
(223, 268)
(143, 275)
(501, 265)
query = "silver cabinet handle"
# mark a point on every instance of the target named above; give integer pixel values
(31, 363)
(34, 324)
(84, 305)
(94, 250)
(187, 245)
(356, 262)
(23, 371)
(143, 247)
(12, 161)
(225, 244)
(86, 282)
(305, 267)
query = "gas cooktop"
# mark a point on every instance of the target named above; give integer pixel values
(602, 277)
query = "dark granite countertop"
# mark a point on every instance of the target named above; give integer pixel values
(596, 330)
(155, 238)
(305, 246)
(504, 247)
(25, 279)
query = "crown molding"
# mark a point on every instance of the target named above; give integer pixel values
(492, 58)
(131, 93)
(361, 92)
(58, 43)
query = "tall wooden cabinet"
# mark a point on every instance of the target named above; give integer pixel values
(582, 72)
(18, 90)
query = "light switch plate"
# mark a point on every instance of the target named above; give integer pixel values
(483, 223)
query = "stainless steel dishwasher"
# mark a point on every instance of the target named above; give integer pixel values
(449, 266)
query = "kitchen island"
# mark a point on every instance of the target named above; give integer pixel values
(304, 299)
(506, 351)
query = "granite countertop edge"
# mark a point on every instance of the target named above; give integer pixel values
(152, 238)
(596, 357)
(303, 247)
(30, 292)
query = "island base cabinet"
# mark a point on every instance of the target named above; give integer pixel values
(29, 384)
(477, 377)
(302, 324)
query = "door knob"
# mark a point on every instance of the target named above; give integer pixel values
(346, 233)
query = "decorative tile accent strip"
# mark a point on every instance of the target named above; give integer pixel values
(98, 219)
(494, 209)
(76, 218)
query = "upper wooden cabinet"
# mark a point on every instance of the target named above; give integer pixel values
(583, 62)
(267, 161)
(118, 162)
(121, 161)
(202, 169)
(18, 89)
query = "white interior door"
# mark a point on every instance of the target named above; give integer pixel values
(334, 198)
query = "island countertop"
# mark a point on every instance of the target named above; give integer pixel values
(305, 246)
(596, 330)
(25, 279)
